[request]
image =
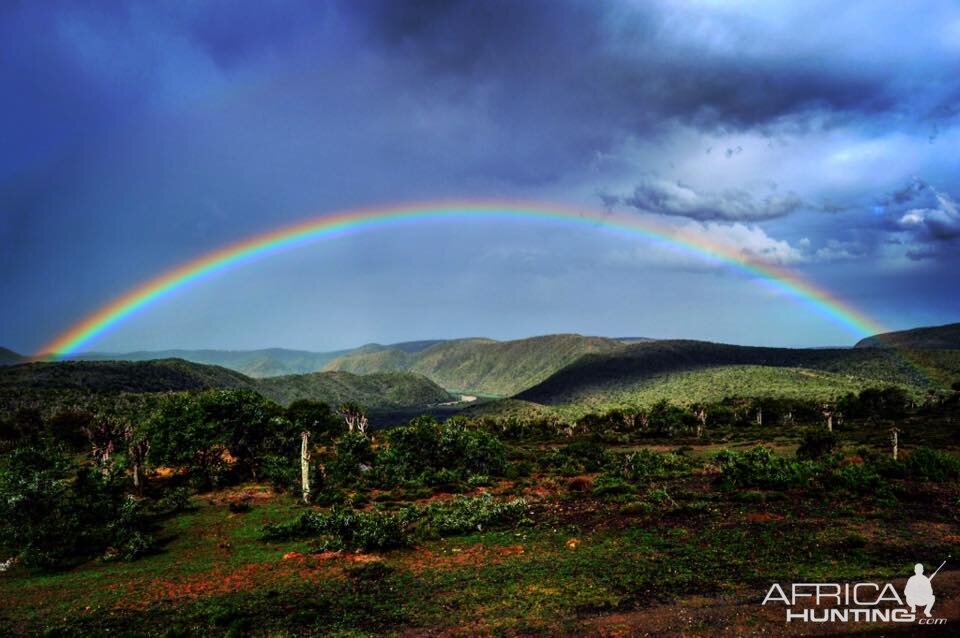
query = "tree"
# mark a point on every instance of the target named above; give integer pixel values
(242, 418)
(317, 418)
(354, 416)
(665, 418)
(700, 412)
(104, 434)
(180, 436)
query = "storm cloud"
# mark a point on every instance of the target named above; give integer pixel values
(678, 199)
(135, 135)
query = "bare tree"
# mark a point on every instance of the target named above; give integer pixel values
(305, 465)
(138, 448)
(701, 413)
(354, 416)
(103, 434)
(827, 411)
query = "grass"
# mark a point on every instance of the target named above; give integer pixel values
(579, 556)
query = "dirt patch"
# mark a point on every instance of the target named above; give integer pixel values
(741, 614)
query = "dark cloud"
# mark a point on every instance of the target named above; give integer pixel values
(924, 212)
(633, 66)
(666, 197)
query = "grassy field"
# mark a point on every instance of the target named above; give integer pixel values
(676, 547)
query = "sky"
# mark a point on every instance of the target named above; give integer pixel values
(819, 136)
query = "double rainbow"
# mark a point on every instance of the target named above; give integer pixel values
(331, 226)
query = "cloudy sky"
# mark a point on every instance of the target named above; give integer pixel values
(822, 136)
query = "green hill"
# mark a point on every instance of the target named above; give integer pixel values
(379, 391)
(946, 337)
(600, 376)
(376, 392)
(9, 357)
(482, 366)
(267, 362)
(120, 376)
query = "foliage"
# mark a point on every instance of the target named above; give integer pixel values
(816, 443)
(645, 463)
(344, 528)
(761, 467)
(315, 417)
(353, 452)
(52, 512)
(576, 458)
(464, 514)
(925, 463)
(436, 452)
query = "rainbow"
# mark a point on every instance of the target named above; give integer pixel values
(331, 226)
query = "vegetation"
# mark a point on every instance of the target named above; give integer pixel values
(218, 511)
(482, 366)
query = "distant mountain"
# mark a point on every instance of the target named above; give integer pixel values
(9, 357)
(945, 337)
(380, 391)
(267, 362)
(121, 376)
(374, 392)
(481, 366)
(628, 369)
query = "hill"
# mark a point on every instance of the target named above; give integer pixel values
(266, 362)
(946, 337)
(377, 392)
(602, 375)
(9, 357)
(482, 366)
(120, 376)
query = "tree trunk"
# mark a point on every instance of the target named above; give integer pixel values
(894, 441)
(759, 416)
(137, 482)
(305, 465)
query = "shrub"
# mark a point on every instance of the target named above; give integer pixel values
(353, 451)
(760, 467)
(576, 458)
(646, 464)
(463, 514)
(925, 463)
(816, 443)
(52, 513)
(343, 528)
(611, 486)
(439, 453)
(858, 478)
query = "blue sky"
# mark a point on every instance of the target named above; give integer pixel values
(822, 136)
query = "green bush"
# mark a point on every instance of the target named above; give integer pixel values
(933, 465)
(343, 528)
(463, 515)
(858, 478)
(607, 485)
(816, 443)
(760, 467)
(53, 514)
(440, 453)
(352, 452)
(644, 463)
(576, 458)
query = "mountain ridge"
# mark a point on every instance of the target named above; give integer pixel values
(943, 337)
(373, 392)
